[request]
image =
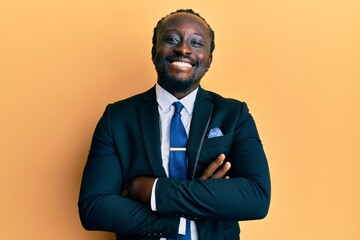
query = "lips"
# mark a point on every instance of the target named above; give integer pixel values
(183, 62)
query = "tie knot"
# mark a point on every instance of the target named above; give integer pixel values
(178, 107)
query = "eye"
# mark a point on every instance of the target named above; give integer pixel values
(197, 43)
(171, 40)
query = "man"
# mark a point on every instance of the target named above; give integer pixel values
(130, 184)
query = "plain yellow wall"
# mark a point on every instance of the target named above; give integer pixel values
(296, 63)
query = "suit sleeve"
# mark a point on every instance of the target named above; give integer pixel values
(100, 205)
(245, 196)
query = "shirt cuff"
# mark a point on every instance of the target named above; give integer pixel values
(182, 226)
(153, 198)
(182, 223)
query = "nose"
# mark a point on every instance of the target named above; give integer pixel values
(183, 48)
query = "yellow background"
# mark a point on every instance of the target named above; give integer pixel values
(295, 62)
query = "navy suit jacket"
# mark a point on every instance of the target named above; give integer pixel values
(126, 144)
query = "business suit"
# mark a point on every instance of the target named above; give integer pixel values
(126, 144)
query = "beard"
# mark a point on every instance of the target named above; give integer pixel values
(175, 84)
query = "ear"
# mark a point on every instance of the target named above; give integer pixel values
(210, 60)
(153, 51)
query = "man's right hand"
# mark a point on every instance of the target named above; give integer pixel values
(215, 169)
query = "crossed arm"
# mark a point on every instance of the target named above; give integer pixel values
(121, 214)
(140, 188)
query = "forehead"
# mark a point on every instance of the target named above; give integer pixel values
(184, 21)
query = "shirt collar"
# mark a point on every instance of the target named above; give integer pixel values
(166, 99)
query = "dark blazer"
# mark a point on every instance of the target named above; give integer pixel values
(126, 144)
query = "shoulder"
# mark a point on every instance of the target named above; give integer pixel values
(127, 109)
(223, 103)
(132, 102)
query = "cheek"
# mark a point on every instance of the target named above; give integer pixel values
(205, 61)
(158, 55)
(162, 50)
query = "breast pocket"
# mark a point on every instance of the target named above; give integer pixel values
(211, 148)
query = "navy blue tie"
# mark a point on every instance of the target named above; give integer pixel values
(178, 156)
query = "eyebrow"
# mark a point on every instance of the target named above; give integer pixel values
(175, 30)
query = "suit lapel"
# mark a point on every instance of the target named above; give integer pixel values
(201, 117)
(149, 123)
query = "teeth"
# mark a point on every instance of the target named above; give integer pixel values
(182, 64)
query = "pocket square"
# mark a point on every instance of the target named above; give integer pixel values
(215, 132)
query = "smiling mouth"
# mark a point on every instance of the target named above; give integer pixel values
(182, 64)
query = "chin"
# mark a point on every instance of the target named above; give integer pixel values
(174, 84)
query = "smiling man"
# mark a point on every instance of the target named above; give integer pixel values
(177, 161)
(181, 53)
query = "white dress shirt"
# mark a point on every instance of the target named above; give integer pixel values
(166, 111)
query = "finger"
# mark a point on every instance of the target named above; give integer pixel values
(210, 170)
(124, 192)
(222, 171)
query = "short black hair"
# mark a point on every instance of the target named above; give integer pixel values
(154, 39)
